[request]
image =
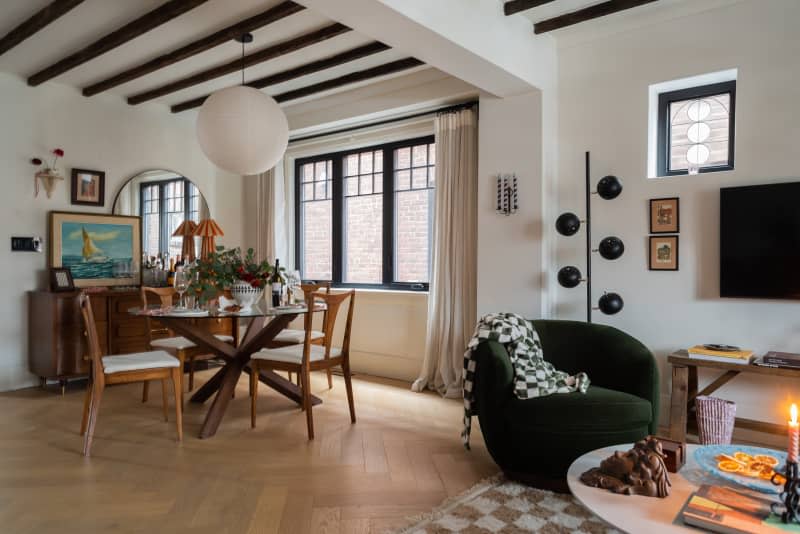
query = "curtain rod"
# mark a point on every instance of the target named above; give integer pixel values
(446, 109)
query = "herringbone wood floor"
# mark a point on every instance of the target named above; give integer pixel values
(403, 457)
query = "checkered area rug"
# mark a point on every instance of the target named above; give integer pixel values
(505, 507)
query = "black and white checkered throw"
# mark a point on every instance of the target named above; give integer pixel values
(533, 376)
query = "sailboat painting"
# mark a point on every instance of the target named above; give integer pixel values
(99, 250)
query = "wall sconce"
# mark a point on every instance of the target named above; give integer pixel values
(47, 174)
(507, 198)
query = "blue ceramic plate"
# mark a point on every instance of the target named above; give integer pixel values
(706, 458)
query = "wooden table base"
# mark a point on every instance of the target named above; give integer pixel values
(224, 381)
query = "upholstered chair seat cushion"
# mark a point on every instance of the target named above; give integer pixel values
(297, 336)
(294, 354)
(181, 343)
(139, 361)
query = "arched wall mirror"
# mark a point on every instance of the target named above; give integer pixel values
(163, 199)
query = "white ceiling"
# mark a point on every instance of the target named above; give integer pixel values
(95, 18)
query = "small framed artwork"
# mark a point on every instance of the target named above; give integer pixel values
(665, 215)
(61, 279)
(663, 253)
(88, 187)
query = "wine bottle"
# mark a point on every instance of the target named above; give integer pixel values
(277, 284)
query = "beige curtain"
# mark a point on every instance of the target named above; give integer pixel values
(265, 216)
(452, 296)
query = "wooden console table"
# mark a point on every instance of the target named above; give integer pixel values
(684, 391)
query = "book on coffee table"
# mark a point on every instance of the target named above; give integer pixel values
(700, 352)
(723, 509)
(781, 359)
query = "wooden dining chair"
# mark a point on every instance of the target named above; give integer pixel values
(290, 336)
(123, 369)
(307, 357)
(178, 346)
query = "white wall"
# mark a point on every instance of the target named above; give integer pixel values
(603, 93)
(510, 249)
(100, 133)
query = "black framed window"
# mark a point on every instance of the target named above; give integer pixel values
(164, 206)
(364, 217)
(696, 129)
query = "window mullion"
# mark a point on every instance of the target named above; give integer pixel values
(162, 216)
(388, 216)
(337, 220)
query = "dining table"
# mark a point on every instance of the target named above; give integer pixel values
(263, 324)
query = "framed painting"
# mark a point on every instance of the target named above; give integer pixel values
(98, 250)
(665, 215)
(663, 253)
(88, 187)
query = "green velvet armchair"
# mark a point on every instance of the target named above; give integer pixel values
(537, 439)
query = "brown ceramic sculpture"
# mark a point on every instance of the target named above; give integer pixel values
(639, 471)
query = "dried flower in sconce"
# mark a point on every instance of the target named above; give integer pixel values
(48, 175)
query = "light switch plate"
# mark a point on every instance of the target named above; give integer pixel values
(26, 244)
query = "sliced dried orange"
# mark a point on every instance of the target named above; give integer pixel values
(780, 479)
(747, 472)
(743, 457)
(766, 474)
(767, 459)
(729, 466)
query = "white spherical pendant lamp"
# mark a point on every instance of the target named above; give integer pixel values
(241, 129)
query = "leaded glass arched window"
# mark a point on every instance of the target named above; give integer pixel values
(696, 128)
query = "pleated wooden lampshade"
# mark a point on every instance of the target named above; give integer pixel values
(208, 229)
(186, 230)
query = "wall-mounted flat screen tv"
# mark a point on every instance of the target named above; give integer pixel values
(760, 241)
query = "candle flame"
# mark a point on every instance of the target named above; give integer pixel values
(793, 411)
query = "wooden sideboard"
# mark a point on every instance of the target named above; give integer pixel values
(57, 346)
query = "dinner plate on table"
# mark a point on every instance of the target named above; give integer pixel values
(188, 313)
(706, 458)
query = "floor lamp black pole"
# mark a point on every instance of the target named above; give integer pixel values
(610, 248)
(588, 244)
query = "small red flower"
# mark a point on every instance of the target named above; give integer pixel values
(256, 283)
(58, 152)
(36, 161)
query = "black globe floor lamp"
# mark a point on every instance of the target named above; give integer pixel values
(610, 248)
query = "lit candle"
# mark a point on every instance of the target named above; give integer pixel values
(794, 435)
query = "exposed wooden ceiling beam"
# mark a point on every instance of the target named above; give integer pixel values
(587, 13)
(353, 77)
(266, 54)
(222, 36)
(515, 6)
(302, 70)
(46, 15)
(347, 79)
(164, 13)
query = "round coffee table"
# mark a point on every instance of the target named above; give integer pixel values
(633, 513)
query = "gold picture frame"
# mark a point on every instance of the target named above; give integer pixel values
(99, 250)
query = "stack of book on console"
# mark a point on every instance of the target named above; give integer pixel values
(715, 354)
(721, 509)
(780, 359)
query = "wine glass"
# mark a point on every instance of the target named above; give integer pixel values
(181, 284)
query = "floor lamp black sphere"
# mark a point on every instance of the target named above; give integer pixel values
(610, 248)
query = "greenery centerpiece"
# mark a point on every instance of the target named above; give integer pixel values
(212, 275)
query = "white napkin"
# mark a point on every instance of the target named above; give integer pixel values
(224, 303)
